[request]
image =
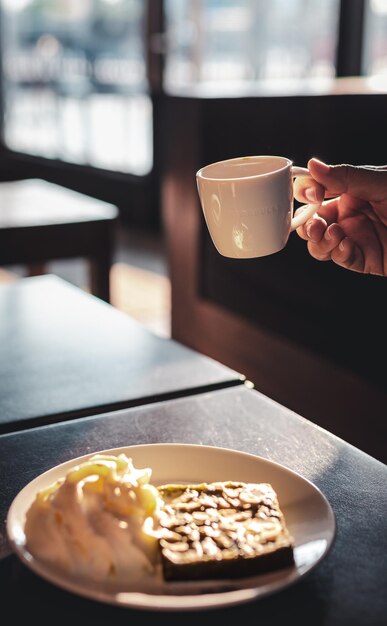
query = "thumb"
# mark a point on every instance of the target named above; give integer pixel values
(365, 182)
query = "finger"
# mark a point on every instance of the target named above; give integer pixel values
(329, 211)
(313, 229)
(348, 255)
(363, 182)
(323, 249)
(306, 189)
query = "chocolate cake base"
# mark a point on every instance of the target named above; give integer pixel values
(222, 530)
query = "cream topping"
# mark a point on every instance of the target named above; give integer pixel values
(97, 521)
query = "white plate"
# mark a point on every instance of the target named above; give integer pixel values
(308, 514)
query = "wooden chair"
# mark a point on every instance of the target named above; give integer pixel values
(42, 221)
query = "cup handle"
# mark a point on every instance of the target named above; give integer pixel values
(308, 209)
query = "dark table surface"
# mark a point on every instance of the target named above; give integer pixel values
(35, 202)
(348, 587)
(65, 353)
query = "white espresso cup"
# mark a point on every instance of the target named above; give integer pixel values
(248, 204)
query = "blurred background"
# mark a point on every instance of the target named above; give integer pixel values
(123, 100)
(79, 78)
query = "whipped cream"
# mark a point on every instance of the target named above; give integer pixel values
(99, 521)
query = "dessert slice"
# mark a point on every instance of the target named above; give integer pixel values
(222, 530)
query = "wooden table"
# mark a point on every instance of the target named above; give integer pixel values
(42, 221)
(65, 353)
(346, 588)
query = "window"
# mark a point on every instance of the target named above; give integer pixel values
(236, 41)
(75, 83)
(375, 40)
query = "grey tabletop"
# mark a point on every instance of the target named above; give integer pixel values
(65, 353)
(346, 588)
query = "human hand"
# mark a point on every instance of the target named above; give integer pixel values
(350, 228)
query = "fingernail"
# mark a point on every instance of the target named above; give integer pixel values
(323, 168)
(308, 227)
(310, 194)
